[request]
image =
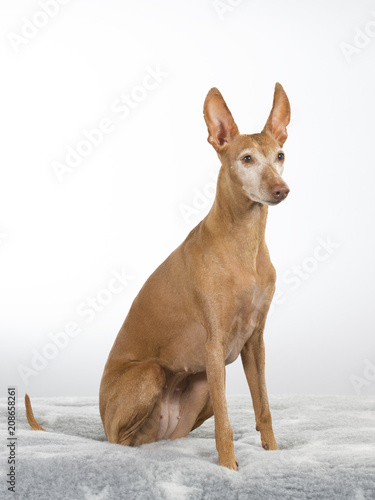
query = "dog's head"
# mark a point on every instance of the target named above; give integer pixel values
(254, 162)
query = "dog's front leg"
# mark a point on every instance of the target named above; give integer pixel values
(215, 367)
(253, 360)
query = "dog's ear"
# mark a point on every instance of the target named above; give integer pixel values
(221, 126)
(280, 115)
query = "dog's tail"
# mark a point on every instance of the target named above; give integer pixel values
(30, 415)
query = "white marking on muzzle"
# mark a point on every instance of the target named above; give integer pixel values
(251, 176)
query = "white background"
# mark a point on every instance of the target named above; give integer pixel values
(121, 208)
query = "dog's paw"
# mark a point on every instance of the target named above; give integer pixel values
(269, 444)
(230, 463)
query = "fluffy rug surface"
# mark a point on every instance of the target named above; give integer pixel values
(326, 451)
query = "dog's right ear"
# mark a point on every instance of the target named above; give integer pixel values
(221, 126)
(280, 116)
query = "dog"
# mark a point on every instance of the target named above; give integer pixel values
(206, 304)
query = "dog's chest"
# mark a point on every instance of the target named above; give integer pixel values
(250, 312)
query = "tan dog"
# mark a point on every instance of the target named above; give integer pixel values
(205, 304)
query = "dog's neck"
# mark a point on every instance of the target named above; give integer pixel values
(237, 220)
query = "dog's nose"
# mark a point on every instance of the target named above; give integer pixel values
(280, 191)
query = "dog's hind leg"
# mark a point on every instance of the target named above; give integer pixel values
(130, 403)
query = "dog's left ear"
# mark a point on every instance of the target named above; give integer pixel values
(222, 129)
(280, 115)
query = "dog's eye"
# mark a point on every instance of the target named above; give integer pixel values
(247, 159)
(280, 156)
